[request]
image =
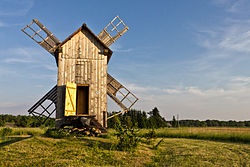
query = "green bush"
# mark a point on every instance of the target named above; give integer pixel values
(6, 132)
(150, 135)
(57, 133)
(128, 139)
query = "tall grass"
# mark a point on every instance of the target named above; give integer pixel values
(21, 131)
(210, 133)
(220, 134)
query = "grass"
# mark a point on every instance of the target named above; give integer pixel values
(210, 133)
(39, 150)
(94, 151)
(25, 131)
(189, 152)
(5, 139)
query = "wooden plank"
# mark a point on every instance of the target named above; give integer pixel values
(101, 87)
(86, 46)
(73, 58)
(66, 63)
(86, 71)
(98, 86)
(105, 83)
(70, 99)
(60, 72)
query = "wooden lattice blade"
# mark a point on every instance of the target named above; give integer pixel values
(120, 94)
(113, 31)
(43, 109)
(40, 34)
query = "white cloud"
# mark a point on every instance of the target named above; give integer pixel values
(195, 91)
(242, 79)
(172, 91)
(239, 6)
(226, 52)
(50, 67)
(26, 55)
(234, 35)
(15, 60)
(234, 89)
(25, 62)
(18, 55)
(2, 24)
(118, 48)
(15, 7)
(20, 51)
(233, 6)
(196, 103)
(214, 84)
(7, 104)
(236, 39)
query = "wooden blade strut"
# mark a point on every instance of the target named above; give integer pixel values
(121, 95)
(40, 34)
(114, 30)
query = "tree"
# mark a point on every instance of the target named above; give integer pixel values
(174, 122)
(156, 120)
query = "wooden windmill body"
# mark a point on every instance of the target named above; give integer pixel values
(83, 82)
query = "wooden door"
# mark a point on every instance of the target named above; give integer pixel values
(70, 99)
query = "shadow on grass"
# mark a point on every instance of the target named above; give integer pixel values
(101, 144)
(10, 140)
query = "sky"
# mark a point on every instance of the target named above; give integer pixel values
(187, 58)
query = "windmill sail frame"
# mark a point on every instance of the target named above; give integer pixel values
(114, 30)
(42, 36)
(47, 110)
(120, 94)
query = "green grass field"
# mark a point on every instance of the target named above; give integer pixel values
(26, 131)
(98, 151)
(207, 133)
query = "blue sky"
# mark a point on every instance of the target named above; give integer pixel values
(189, 58)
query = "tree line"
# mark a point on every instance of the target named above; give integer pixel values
(136, 118)
(153, 119)
(140, 119)
(213, 123)
(26, 121)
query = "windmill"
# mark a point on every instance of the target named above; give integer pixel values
(82, 82)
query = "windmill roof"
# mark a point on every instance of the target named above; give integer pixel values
(84, 27)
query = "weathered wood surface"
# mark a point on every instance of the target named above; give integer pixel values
(41, 35)
(82, 61)
(120, 94)
(114, 30)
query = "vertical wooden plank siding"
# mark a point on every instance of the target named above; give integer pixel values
(82, 62)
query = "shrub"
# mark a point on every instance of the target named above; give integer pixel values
(128, 139)
(56, 133)
(6, 131)
(95, 146)
(151, 134)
